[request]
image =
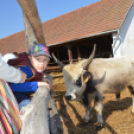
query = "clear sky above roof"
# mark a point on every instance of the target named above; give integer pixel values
(11, 20)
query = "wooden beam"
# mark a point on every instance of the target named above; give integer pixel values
(30, 10)
(70, 54)
(58, 56)
(57, 76)
(99, 50)
(78, 52)
(53, 68)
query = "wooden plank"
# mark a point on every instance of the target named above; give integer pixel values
(69, 54)
(29, 8)
(78, 52)
(57, 76)
(58, 56)
(53, 68)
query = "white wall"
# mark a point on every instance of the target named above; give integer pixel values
(123, 43)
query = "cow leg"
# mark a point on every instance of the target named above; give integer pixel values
(86, 104)
(131, 89)
(117, 95)
(98, 106)
(133, 103)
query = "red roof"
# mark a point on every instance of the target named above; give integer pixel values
(102, 16)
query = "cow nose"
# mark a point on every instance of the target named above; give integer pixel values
(68, 97)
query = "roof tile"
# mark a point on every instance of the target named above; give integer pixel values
(102, 16)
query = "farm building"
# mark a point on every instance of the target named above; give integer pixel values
(71, 36)
(107, 23)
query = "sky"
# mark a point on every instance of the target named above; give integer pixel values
(11, 19)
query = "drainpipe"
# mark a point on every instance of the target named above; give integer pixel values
(118, 36)
(115, 39)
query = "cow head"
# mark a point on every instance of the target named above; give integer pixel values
(76, 76)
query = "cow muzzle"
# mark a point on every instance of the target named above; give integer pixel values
(68, 97)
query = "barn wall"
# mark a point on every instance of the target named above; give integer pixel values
(123, 43)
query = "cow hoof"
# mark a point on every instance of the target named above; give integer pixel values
(86, 118)
(99, 124)
(98, 128)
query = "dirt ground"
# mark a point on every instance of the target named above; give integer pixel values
(116, 114)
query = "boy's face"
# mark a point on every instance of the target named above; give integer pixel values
(40, 62)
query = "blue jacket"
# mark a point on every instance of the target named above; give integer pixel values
(24, 90)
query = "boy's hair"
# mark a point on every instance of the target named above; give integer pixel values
(39, 49)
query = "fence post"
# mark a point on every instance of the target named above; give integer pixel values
(34, 116)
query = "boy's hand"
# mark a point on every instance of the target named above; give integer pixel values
(23, 77)
(47, 81)
(44, 84)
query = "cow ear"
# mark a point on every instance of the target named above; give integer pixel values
(86, 77)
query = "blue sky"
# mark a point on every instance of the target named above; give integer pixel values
(11, 20)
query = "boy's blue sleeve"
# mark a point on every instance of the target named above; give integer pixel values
(26, 86)
(27, 70)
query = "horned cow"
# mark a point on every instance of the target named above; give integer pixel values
(91, 78)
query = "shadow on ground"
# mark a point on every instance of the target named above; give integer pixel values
(68, 109)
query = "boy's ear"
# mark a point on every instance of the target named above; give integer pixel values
(29, 56)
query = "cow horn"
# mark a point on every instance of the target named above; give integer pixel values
(85, 65)
(57, 61)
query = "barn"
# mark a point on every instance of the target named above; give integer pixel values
(107, 23)
(71, 36)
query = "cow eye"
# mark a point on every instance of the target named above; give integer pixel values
(78, 82)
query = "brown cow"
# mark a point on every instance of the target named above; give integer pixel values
(90, 78)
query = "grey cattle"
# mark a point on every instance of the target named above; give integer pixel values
(91, 78)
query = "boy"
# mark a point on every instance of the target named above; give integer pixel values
(33, 65)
